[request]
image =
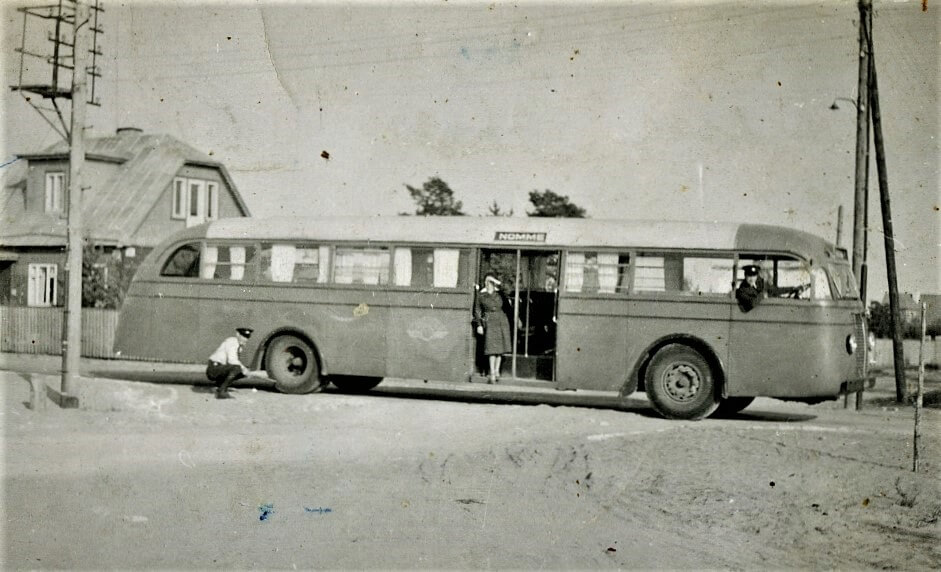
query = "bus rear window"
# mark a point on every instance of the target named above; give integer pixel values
(184, 262)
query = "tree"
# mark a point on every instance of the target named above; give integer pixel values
(549, 204)
(101, 287)
(495, 210)
(435, 197)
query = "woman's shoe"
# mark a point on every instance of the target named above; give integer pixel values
(491, 379)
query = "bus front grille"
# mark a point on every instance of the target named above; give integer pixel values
(862, 345)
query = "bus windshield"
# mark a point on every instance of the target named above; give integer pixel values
(843, 281)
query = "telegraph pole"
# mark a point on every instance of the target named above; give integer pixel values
(72, 340)
(897, 351)
(78, 13)
(861, 195)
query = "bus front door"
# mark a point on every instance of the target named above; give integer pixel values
(529, 283)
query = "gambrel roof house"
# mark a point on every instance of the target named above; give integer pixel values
(139, 188)
(129, 178)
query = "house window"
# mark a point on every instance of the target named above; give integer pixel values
(212, 201)
(194, 200)
(55, 192)
(197, 201)
(41, 288)
(179, 199)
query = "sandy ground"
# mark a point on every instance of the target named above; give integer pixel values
(422, 476)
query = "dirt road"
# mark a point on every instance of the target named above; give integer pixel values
(409, 477)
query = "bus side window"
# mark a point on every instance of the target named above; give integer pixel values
(226, 262)
(779, 276)
(707, 276)
(596, 272)
(429, 267)
(361, 265)
(793, 274)
(650, 274)
(821, 284)
(184, 262)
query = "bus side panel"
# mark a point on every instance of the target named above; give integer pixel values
(784, 348)
(162, 323)
(591, 343)
(702, 318)
(430, 340)
(351, 329)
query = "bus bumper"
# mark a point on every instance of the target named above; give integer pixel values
(856, 386)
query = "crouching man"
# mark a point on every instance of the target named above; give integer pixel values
(224, 364)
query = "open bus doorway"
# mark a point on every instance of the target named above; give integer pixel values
(530, 281)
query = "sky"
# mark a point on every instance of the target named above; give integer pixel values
(698, 111)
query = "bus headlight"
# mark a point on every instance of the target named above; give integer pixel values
(850, 344)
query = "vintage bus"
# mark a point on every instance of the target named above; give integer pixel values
(607, 305)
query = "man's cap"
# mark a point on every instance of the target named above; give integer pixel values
(751, 270)
(247, 332)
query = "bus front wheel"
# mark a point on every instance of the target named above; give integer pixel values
(680, 384)
(355, 384)
(291, 362)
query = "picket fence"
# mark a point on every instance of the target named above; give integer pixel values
(39, 331)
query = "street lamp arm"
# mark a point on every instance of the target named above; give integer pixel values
(835, 106)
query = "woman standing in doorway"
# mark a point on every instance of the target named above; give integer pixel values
(492, 324)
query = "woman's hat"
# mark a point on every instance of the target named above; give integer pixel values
(491, 278)
(246, 332)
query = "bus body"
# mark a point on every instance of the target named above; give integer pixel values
(592, 304)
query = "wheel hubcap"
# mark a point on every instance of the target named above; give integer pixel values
(682, 382)
(296, 361)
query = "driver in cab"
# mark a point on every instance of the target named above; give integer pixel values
(754, 288)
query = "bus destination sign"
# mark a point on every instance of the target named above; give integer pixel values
(503, 236)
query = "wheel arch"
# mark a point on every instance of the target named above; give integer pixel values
(635, 379)
(262, 351)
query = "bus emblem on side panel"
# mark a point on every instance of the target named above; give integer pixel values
(505, 236)
(427, 329)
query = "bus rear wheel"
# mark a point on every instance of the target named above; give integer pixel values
(354, 383)
(291, 362)
(680, 384)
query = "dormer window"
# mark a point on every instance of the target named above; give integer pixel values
(195, 200)
(55, 193)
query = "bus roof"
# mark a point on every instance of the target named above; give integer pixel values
(526, 232)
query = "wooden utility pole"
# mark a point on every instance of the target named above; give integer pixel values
(921, 389)
(861, 196)
(897, 350)
(72, 340)
(839, 225)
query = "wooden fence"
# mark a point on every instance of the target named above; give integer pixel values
(39, 331)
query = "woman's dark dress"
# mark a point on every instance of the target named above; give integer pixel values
(490, 312)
